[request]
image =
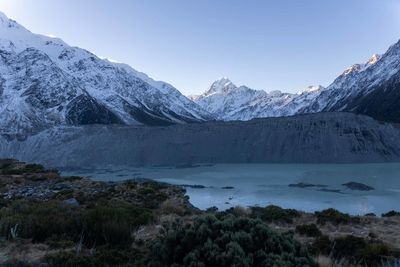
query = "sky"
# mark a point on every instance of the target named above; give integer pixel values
(265, 44)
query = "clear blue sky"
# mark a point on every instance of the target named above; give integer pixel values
(272, 45)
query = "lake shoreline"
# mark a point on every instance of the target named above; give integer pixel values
(308, 187)
(43, 215)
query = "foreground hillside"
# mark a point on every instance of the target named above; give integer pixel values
(48, 220)
(312, 138)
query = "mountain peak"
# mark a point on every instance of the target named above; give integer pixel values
(6, 22)
(3, 16)
(373, 59)
(313, 88)
(361, 67)
(222, 85)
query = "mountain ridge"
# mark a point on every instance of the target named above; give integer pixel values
(351, 91)
(45, 82)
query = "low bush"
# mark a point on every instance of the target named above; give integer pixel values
(354, 250)
(227, 241)
(332, 216)
(239, 211)
(274, 214)
(150, 195)
(321, 246)
(101, 257)
(310, 230)
(39, 221)
(391, 213)
(60, 225)
(113, 224)
(171, 207)
(29, 168)
(16, 263)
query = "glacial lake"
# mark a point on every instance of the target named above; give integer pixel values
(229, 185)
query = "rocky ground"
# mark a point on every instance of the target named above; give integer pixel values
(49, 220)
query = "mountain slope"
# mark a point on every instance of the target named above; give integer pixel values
(45, 82)
(311, 138)
(371, 88)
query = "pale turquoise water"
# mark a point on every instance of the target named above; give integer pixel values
(264, 184)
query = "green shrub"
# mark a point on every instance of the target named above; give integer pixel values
(332, 216)
(321, 246)
(39, 221)
(29, 168)
(150, 195)
(226, 241)
(374, 254)
(391, 213)
(310, 230)
(274, 214)
(16, 263)
(60, 225)
(113, 224)
(349, 247)
(156, 186)
(355, 250)
(68, 259)
(101, 257)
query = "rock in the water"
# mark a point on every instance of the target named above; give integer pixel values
(358, 186)
(331, 190)
(305, 185)
(195, 186)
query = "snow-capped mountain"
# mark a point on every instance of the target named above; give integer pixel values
(229, 102)
(372, 88)
(46, 82)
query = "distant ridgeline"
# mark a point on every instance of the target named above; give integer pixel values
(44, 82)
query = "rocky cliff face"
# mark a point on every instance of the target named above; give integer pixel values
(313, 138)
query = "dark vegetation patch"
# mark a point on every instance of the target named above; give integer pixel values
(56, 223)
(227, 241)
(335, 217)
(11, 167)
(275, 214)
(391, 213)
(356, 251)
(101, 257)
(310, 230)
